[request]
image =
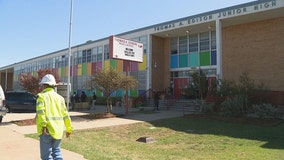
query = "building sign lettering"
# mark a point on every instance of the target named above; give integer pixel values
(219, 15)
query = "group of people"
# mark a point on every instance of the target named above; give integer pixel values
(76, 98)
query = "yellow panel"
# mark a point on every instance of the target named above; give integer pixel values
(59, 72)
(66, 71)
(79, 70)
(89, 68)
(143, 65)
(119, 65)
(107, 65)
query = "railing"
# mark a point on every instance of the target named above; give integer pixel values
(141, 98)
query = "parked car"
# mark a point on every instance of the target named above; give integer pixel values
(2, 104)
(20, 101)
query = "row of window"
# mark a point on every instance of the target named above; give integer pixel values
(96, 54)
(199, 42)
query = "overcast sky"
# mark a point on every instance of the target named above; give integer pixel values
(31, 28)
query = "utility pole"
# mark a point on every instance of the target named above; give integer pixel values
(69, 56)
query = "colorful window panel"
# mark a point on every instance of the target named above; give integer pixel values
(194, 59)
(183, 60)
(205, 58)
(174, 61)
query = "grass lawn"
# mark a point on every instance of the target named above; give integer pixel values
(180, 139)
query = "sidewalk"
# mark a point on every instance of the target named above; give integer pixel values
(14, 145)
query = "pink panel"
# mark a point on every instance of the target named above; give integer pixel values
(133, 66)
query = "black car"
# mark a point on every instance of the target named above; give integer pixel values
(20, 101)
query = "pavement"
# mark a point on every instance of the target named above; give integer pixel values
(15, 146)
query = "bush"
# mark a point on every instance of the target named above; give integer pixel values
(241, 96)
(207, 107)
(232, 107)
(264, 111)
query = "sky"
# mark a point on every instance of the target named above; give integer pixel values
(31, 28)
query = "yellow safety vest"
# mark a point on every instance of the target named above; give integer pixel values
(51, 113)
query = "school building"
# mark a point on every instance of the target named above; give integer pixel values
(222, 43)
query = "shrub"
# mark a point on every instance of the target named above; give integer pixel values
(232, 107)
(264, 111)
(207, 107)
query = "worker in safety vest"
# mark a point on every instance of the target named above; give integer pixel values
(51, 117)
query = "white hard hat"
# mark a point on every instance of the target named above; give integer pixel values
(48, 79)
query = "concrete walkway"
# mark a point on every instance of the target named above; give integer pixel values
(15, 146)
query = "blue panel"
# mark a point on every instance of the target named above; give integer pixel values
(174, 61)
(140, 92)
(213, 58)
(194, 59)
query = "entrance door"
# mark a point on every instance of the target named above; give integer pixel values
(179, 84)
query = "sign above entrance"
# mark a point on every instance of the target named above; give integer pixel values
(124, 49)
(249, 8)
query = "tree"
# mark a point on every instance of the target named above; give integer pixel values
(31, 83)
(109, 81)
(199, 80)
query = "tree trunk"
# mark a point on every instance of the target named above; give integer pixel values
(109, 105)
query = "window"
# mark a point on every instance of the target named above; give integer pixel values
(94, 54)
(106, 51)
(173, 46)
(100, 54)
(193, 43)
(84, 56)
(213, 40)
(204, 41)
(89, 55)
(183, 44)
(79, 57)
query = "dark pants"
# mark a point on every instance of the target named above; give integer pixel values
(156, 103)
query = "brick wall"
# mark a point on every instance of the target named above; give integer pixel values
(160, 55)
(256, 48)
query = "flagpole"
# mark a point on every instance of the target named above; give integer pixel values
(69, 56)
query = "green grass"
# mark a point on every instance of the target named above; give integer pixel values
(180, 138)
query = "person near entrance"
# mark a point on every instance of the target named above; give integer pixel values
(156, 101)
(51, 117)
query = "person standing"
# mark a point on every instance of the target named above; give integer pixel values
(51, 117)
(83, 97)
(94, 100)
(156, 101)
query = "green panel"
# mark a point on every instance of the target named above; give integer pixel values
(99, 93)
(183, 60)
(194, 59)
(84, 69)
(113, 63)
(63, 72)
(204, 58)
(134, 93)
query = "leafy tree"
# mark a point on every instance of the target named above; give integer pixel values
(199, 80)
(31, 83)
(109, 81)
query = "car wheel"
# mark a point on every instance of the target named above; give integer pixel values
(8, 110)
